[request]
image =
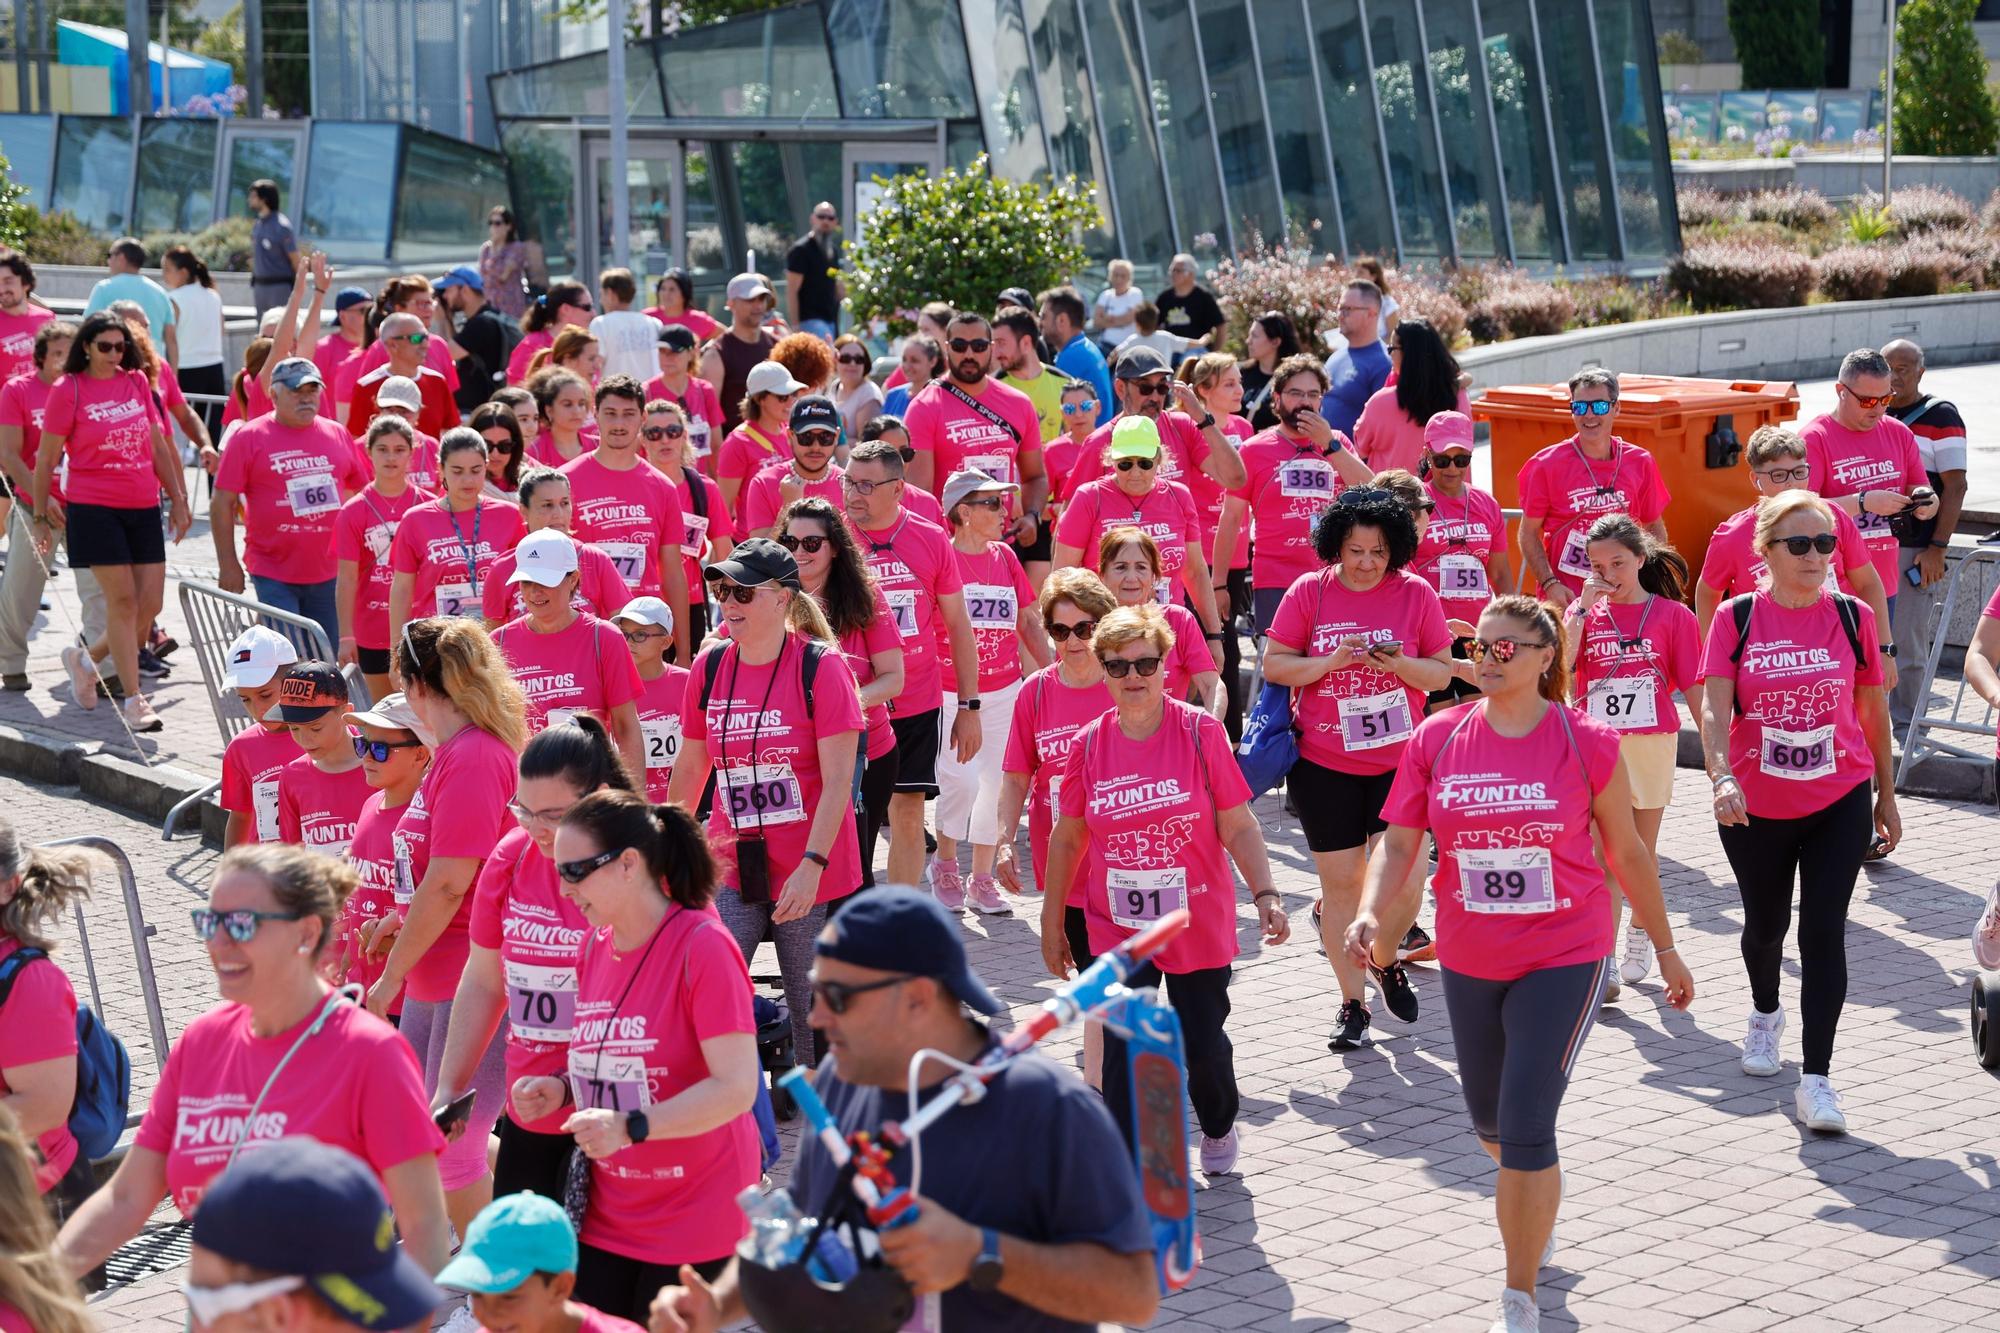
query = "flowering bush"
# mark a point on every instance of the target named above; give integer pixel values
(1793, 207)
(1516, 306)
(1921, 208)
(1282, 277)
(1428, 299)
(1701, 207)
(1733, 275)
(1989, 212)
(1852, 273)
(1919, 267)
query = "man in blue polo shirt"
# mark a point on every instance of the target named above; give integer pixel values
(1360, 367)
(128, 283)
(1063, 315)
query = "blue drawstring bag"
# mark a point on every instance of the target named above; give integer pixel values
(1270, 744)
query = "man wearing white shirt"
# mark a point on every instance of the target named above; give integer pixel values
(629, 339)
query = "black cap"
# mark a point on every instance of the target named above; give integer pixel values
(897, 929)
(754, 563)
(678, 338)
(1017, 296)
(312, 690)
(815, 412)
(1138, 362)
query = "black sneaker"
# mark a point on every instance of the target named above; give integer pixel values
(1350, 1029)
(1397, 992)
(162, 643)
(1416, 947)
(14, 682)
(151, 667)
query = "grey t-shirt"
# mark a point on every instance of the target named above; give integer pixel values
(271, 246)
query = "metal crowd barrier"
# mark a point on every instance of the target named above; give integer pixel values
(1917, 743)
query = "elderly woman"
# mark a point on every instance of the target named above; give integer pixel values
(1154, 763)
(1128, 560)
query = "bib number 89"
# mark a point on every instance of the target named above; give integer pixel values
(1503, 883)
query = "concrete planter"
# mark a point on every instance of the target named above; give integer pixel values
(1842, 176)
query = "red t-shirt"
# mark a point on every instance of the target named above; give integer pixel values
(1569, 492)
(373, 856)
(860, 647)
(697, 523)
(318, 809)
(472, 776)
(763, 744)
(437, 357)
(107, 426)
(1167, 514)
(23, 401)
(519, 911)
(747, 450)
(37, 1023)
(363, 532)
(1290, 482)
(996, 588)
(1632, 660)
(661, 700)
(291, 480)
(250, 767)
(761, 498)
(1455, 553)
(438, 414)
(1190, 656)
(703, 408)
(1184, 451)
(1733, 564)
(1518, 889)
(1048, 714)
(338, 360)
(633, 516)
(599, 590)
(1848, 462)
(17, 339)
(1151, 807)
(583, 667)
(1795, 743)
(1358, 720)
(452, 554)
(913, 564)
(354, 1084)
(958, 436)
(640, 1020)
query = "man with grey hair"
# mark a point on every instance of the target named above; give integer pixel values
(1360, 363)
(1187, 308)
(403, 338)
(1920, 563)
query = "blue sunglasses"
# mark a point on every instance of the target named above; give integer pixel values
(1600, 407)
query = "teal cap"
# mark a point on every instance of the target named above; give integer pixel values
(512, 1239)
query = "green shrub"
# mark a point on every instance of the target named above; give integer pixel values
(1778, 43)
(1675, 47)
(1735, 275)
(1793, 208)
(1921, 208)
(1869, 222)
(14, 206)
(1943, 106)
(58, 238)
(1853, 273)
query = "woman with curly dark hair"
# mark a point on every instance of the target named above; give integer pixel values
(1390, 431)
(1363, 641)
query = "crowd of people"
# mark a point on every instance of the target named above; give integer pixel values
(486, 939)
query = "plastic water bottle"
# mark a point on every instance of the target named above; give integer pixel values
(779, 1232)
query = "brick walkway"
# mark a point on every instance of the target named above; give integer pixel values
(1693, 1197)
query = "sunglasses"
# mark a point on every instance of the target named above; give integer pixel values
(970, 344)
(838, 996)
(817, 439)
(851, 359)
(1127, 464)
(580, 305)
(664, 432)
(1120, 667)
(860, 487)
(1087, 405)
(1451, 460)
(379, 751)
(1600, 407)
(826, 217)
(989, 502)
(1362, 495)
(1781, 474)
(1798, 546)
(1060, 632)
(1149, 387)
(1502, 649)
(576, 872)
(240, 924)
(1861, 400)
(726, 592)
(501, 446)
(110, 347)
(810, 545)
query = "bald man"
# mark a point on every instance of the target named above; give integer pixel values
(404, 342)
(1920, 555)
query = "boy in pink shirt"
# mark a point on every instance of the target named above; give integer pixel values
(255, 669)
(320, 794)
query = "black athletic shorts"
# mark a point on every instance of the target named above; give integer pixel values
(1338, 810)
(917, 740)
(372, 661)
(101, 535)
(1044, 543)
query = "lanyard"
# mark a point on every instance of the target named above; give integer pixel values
(1617, 461)
(1638, 639)
(470, 552)
(876, 548)
(757, 726)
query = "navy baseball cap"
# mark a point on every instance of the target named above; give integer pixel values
(754, 562)
(295, 372)
(349, 297)
(897, 929)
(311, 691)
(815, 412)
(298, 1208)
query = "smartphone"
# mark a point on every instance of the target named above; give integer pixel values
(1387, 648)
(753, 870)
(452, 1117)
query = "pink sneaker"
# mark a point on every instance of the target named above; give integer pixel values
(986, 899)
(1986, 936)
(82, 677)
(946, 886)
(1218, 1156)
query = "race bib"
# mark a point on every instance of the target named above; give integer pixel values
(1796, 756)
(698, 435)
(903, 607)
(1462, 576)
(997, 466)
(695, 538)
(1375, 720)
(1307, 478)
(990, 605)
(759, 795)
(312, 494)
(1163, 592)
(609, 1082)
(628, 558)
(264, 800)
(1055, 797)
(1575, 558)
(541, 1002)
(1507, 881)
(1874, 527)
(458, 599)
(1625, 703)
(1141, 897)
(379, 539)
(663, 741)
(406, 879)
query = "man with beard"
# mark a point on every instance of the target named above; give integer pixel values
(969, 420)
(1017, 351)
(813, 289)
(810, 471)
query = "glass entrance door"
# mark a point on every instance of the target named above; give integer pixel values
(654, 200)
(252, 153)
(864, 169)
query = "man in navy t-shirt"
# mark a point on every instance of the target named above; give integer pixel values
(1362, 366)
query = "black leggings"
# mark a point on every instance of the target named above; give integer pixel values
(1201, 998)
(1822, 852)
(1235, 602)
(213, 380)
(1517, 1042)
(878, 784)
(531, 1161)
(626, 1287)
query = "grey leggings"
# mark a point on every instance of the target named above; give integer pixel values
(1517, 1042)
(749, 924)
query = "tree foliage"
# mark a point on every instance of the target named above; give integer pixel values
(1943, 106)
(1778, 42)
(962, 238)
(14, 211)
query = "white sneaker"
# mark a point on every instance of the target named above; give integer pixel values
(1218, 1156)
(1549, 1250)
(1612, 990)
(1638, 960)
(1518, 1314)
(1986, 935)
(1760, 1043)
(139, 714)
(1818, 1105)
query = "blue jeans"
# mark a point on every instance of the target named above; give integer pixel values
(314, 601)
(820, 328)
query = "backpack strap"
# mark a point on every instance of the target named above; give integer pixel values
(1850, 620)
(697, 493)
(11, 967)
(710, 670)
(808, 672)
(1739, 611)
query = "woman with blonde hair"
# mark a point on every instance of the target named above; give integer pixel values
(36, 1295)
(574, 350)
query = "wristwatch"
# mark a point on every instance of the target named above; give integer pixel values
(1888, 650)
(816, 859)
(637, 1127)
(969, 705)
(1205, 422)
(987, 1269)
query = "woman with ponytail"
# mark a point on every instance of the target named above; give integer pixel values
(522, 964)
(38, 1016)
(1632, 644)
(36, 1295)
(1511, 787)
(563, 305)
(663, 1054)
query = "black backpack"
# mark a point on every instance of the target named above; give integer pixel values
(1739, 611)
(809, 668)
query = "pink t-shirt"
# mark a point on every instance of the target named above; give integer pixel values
(1733, 564)
(452, 554)
(996, 588)
(1569, 491)
(1190, 656)
(1240, 433)
(583, 667)
(544, 451)
(860, 647)
(250, 767)
(37, 1023)
(524, 352)
(292, 480)
(1993, 605)
(472, 777)
(1166, 513)
(599, 590)
(1185, 451)
(1289, 484)
(640, 1020)
(1060, 456)
(699, 322)
(519, 911)
(660, 703)
(1384, 435)
(913, 565)
(918, 501)
(23, 401)
(761, 498)
(318, 809)
(354, 1084)
(107, 427)
(17, 339)
(338, 360)
(697, 524)
(1518, 889)
(747, 450)
(363, 532)
(763, 744)
(703, 408)
(1358, 720)
(1455, 554)
(373, 856)
(1632, 661)
(1048, 714)
(1151, 808)
(1848, 462)
(632, 516)
(957, 435)
(1795, 743)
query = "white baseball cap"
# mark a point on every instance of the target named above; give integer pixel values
(400, 391)
(770, 377)
(258, 654)
(648, 611)
(546, 557)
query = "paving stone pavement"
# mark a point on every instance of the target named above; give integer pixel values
(1693, 1198)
